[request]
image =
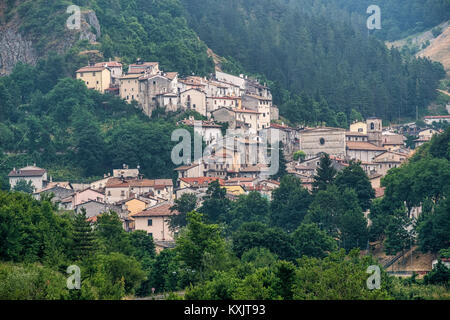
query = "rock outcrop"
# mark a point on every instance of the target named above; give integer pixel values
(16, 47)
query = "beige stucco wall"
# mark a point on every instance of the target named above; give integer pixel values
(159, 228)
(360, 127)
(97, 80)
(197, 101)
(129, 89)
(334, 142)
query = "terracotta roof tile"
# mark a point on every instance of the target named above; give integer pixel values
(161, 210)
(356, 145)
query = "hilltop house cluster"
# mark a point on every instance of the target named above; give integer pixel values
(238, 161)
(153, 88)
(146, 204)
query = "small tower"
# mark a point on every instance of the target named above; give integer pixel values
(374, 131)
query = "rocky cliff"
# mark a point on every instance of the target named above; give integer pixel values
(16, 47)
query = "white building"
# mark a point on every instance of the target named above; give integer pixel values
(37, 176)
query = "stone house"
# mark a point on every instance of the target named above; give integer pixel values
(116, 191)
(215, 103)
(388, 160)
(323, 140)
(97, 78)
(59, 193)
(144, 68)
(152, 86)
(194, 99)
(190, 171)
(129, 87)
(116, 69)
(356, 136)
(168, 101)
(260, 104)
(359, 127)
(392, 141)
(155, 221)
(36, 175)
(95, 208)
(430, 119)
(363, 151)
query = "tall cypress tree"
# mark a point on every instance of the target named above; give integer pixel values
(325, 174)
(282, 164)
(83, 236)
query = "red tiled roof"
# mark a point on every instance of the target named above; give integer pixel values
(109, 64)
(139, 183)
(354, 145)
(202, 180)
(358, 134)
(27, 172)
(279, 126)
(186, 167)
(225, 98)
(439, 117)
(171, 75)
(162, 210)
(246, 111)
(258, 97)
(131, 76)
(90, 69)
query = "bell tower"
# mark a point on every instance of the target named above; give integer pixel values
(374, 131)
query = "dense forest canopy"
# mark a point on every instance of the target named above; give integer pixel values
(315, 52)
(402, 17)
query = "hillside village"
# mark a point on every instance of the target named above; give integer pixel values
(244, 107)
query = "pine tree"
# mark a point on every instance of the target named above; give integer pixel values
(282, 164)
(325, 174)
(83, 236)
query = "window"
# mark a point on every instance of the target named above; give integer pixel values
(109, 193)
(150, 234)
(93, 74)
(372, 126)
(97, 82)
(122, 193)
(322, 141)
(149, 222)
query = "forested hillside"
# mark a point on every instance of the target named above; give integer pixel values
(402, 17)
(75, 132)
(314, 51)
